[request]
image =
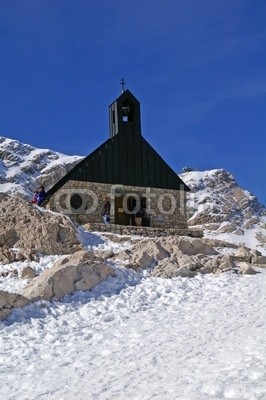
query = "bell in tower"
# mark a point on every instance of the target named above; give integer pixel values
(124, 114)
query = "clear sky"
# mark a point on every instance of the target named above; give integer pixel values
(196, 66)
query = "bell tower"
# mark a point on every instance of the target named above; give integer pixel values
(124, 114)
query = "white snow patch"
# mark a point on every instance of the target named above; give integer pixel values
(139, 337)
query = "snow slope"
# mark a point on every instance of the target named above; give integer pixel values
(138, 337)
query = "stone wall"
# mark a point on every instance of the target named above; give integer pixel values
(82, 201)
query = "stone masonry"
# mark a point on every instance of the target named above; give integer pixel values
(167, 208)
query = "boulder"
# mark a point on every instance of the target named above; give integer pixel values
(154, 248)
(171, 269)
(33, 230)
(28, 273)
(190, 246)
(261, 260)
(243, 254)
(141, 259)
(143, 254)
(104, 254)
(246, 269)
(80, 271)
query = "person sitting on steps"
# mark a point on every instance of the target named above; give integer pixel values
(41, 195)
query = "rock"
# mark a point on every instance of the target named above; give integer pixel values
(33, 230)
(9, 301)
(80, 271)
(193, 263)
(208, 269)
(225, 262)
(261, 260)
(184, 273)
(255, 253)
(168, 269)
(123, 255)
(168, 254)
(153, 248)
(246, 269)
(141, 260)
(142, 254)
(242, 252)
(190, 246)
(28, 273)
(189, 266)
(104, 254)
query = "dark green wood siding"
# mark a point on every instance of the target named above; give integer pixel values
(124, 159)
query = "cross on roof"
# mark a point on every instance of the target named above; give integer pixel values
(122, 83)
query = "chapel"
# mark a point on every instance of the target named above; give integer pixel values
(127, 171)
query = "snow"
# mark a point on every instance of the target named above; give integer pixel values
(10, 281)
(248, 239)
(134, 337)
(139, 337)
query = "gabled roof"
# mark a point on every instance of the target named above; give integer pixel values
(124, 159)
(125, 95)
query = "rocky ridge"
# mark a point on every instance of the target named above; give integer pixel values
(220, 207)
(24, 167)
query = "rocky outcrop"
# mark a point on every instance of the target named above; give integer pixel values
(25, 167)
(216, 202)
(80, 271)
(178, 256)
(190, 266)
(32, 231)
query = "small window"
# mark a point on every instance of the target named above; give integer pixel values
(125, 112)
(76, 201)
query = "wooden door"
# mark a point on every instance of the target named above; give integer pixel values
(121, 217)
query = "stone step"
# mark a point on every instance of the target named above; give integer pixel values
(142, 231)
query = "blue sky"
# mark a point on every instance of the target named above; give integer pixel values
(197, 68)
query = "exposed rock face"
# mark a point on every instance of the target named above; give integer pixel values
(216, 202)
(33, 230)
(80, 271)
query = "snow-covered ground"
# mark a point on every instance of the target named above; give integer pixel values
(139, 337)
